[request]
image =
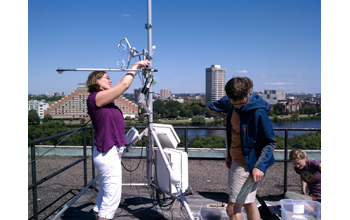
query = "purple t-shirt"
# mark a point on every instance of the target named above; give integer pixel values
(109, 124)
(312, 176)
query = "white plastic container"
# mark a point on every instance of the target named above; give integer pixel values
(300, 209)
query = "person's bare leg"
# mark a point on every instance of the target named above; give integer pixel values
(252, 211)
(234, 211)
(96, 215)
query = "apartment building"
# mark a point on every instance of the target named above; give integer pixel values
(38, 106)
(73, 106)
(280, 94)
(165, 94)
(215, 77)
(291, 104)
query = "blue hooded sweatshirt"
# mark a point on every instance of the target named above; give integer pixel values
(257, 135)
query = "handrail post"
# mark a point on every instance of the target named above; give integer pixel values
(35, 199)
(92, 151)
(85, 162)
(186, 137)
(285, 159)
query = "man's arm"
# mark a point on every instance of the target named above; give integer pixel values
(219, 114)
(267, 136)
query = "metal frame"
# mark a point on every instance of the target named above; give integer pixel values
(147, 90)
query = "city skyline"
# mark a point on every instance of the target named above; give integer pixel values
(275, 43)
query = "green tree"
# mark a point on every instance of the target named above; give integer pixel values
(197, 120)
(46, 130)
(207, 142)
(159, 106)
(47, 118)
(183, 112)
(33, 117)
(272, 112)
(279, 109)
(197, 110)
(308, 141)
(82, 121)
(295, 116)
(173, 108)
(280, 141)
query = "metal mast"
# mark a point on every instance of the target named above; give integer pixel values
(150, 140)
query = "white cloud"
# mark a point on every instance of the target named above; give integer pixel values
(278, 83)
(264, 76)
(242, 71)
(125, 15)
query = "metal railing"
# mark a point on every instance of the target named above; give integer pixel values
(36, 183)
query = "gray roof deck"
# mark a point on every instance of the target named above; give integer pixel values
(207, 178)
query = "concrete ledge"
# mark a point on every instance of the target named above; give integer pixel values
(136, 152)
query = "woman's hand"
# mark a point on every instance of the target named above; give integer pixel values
(140, 63)
(107, 96)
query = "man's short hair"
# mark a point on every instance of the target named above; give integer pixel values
(237, 88)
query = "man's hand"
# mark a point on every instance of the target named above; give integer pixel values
(257, 175)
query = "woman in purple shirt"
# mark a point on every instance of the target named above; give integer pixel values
(310, 173)
(108, 122)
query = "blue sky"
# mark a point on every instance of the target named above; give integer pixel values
(276, 43)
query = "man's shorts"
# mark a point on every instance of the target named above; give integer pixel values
(241, 185)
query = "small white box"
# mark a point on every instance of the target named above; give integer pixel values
(300, 209)
(166, 135)
(131, 135)
(178, 161)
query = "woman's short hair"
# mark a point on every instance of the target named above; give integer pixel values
(297, 154)
(92, 83)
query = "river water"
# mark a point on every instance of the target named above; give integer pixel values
(279, 124)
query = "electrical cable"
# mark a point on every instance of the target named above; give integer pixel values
(140, 157)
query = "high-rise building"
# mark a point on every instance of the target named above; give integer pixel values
(164, 94)
(215, 78)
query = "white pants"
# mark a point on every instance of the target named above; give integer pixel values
(108, 166)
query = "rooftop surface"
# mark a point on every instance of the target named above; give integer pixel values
(207, 178)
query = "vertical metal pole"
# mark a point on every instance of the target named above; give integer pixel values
(85, 162)
(285, 159)
(92, 150)
(35, 199)
(150, 96)
(186, 137)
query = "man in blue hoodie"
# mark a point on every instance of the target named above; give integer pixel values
(251, 142)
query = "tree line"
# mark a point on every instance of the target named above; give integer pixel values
(308, 141)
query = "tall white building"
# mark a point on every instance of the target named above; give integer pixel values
(165, 93)
(38, 106)
(215, 78)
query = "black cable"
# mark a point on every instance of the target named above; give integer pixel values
(140, 158)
